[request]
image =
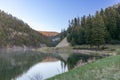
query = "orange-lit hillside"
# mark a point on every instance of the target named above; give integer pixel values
(49, 33)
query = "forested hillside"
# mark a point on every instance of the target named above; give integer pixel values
(95, 30)
(14, 32)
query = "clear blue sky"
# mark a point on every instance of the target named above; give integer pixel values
(52, 15)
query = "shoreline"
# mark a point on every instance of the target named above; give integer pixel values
(16, 48)
(70, 50)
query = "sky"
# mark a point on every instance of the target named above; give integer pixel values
(52, 15)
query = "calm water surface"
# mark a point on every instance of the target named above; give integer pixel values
(43, 70)
(30, 65)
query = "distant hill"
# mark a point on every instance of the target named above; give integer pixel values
(49, 33)
(14, 32)
(53, 36)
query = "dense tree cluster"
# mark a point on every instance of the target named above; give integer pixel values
(103, 27)
(15, 32)
(63, 34)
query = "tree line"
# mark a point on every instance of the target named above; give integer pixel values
(95, 30)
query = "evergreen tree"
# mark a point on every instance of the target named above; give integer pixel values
(111, 26)
(88, 30)
(63, 34)
(98, 31)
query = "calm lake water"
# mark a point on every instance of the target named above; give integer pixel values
(30, 65)
(43, 70)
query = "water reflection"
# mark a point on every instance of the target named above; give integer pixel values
(29, 65)
(15, 63)
(43, 71)
(79, 59)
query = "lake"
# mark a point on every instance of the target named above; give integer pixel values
(43, 70)
(31, 65)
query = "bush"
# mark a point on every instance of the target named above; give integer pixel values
(114, 42)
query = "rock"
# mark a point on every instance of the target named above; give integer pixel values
(63, 43)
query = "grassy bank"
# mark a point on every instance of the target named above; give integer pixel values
(55, 50)
(104, 69)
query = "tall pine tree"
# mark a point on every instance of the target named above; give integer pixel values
(98, 31)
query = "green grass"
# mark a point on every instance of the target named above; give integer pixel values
(104, 69)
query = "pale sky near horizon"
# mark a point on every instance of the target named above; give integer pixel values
(52, 15)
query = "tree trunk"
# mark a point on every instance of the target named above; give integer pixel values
(98, 46)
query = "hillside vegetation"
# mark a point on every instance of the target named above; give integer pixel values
(14, 32)
(95, 30)
(104, 69)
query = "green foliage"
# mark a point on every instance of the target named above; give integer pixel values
(103, 27)
(75, 33)
(98, 31)
(14, 32)
(62, 34)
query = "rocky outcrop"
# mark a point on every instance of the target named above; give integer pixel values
(63, 43)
